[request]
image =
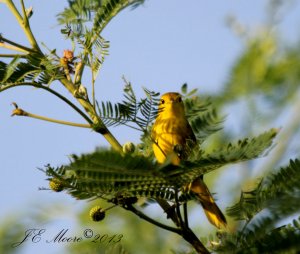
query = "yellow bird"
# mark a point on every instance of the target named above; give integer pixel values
(172, 135)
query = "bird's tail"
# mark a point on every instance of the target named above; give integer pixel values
(212, 211)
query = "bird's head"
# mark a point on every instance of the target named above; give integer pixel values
(171, 103)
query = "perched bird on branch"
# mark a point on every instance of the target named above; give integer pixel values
(172, 138)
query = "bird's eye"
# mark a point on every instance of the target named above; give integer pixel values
(162, 101)
(179, 99)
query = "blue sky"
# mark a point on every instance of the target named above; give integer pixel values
(160, 45)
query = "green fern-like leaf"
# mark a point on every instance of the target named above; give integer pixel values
(101, 48)
(201, 163)
(148, 108)
(35, 68)
(270, 193)
(278, 194)
(84, 21)
(261, 238)
(10, 70)
(202, 117)
(140, 113)
(111, 114)
(3, 67)
(78, 12)
(91, 15)
(108, 174)
(109, 9)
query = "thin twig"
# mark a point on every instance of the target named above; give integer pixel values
(185, 232)
(11, 47)
(145, 217)
(169, 210)
(190, 237)
(15, 46)
(177, 207)
(186, 219)
(93, 87)
(98, 124)
(36, 85)
(21, 112)
(12, 55)
(24, 25)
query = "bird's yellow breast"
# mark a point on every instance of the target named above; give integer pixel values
(168, 133)
(171, 129)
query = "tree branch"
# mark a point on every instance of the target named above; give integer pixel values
(190, 237)
(186, 233)
(23, 24)
(177, 208)
(12, 55)
(51, 91)
(145, 217)
(98, 124)
(21, 112)
(11, 47)
(186, 219)
(14, 46)
(169, 210)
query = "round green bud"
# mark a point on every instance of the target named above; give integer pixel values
(97, 214)
(128, 147)
(56, 185)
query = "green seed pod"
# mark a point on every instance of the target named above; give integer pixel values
(56, 185)
(97, 213)
(128, 147)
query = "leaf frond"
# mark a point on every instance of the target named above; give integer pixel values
(83, 15)
(261, 238)
(140, 113)
(109, 9)
(200, 163)
(266, 231)
(269, 193)
(107, 174)
(202, 117)
(35, 68)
